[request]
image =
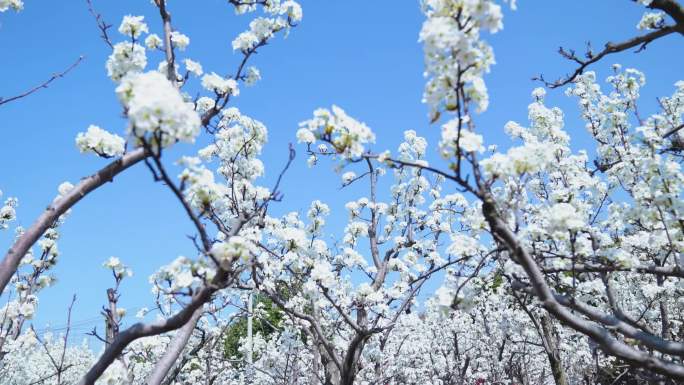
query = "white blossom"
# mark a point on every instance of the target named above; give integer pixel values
(153, 41)
(179, 40)
(220, 85)
(133, 26)
(100, 142)
(16, 5)
(193, 67)
(155, 107)
(126, 58)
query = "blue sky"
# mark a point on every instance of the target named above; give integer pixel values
(361, 55)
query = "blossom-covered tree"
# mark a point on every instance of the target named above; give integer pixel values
(539, 264)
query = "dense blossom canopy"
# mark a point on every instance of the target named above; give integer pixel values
(533, 264)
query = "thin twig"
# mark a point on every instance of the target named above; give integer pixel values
(101, 24)
(609, 48)
(45, 84)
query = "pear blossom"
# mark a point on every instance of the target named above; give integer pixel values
(220, 85)
(126, 58)
(253, 75)
(153, 41)
(424, 275)
(651, 20)
(193, 67)
(16, 5)
(179, 40)
(101, 142)
(133, 26)
(154, 105)
(347, 135)
(348, 177)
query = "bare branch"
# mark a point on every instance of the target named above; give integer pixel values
(609, 48)
(101, 24)
(168, 47)
(45, 84)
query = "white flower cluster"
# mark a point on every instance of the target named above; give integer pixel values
(454, 138)
(193, 67)
(348, 177)
(347, 135)
(412, 148)
(155, 108)
(263, 28)
(180, 274)
(292, 238)
(316, 214)
(235, 248)
(220, 85)
(201, 190)
(652, 20)
(293, 11)
(153, 41)
(564, 217)
(179, 40)
(542, 142)
(239, 143)
(118, 269)
(204, 104)
(25, 308)
(115, 374)
(127, 57)
(354, 231)
(101, 142)
(454, 51)
(260, 30)
(133, 26)
(529, 158)
(8, 212)
(16, 5)
(322, 274)
(253, 75)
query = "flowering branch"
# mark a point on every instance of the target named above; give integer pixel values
(671, 7)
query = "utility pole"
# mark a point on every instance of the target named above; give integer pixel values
(250, 306)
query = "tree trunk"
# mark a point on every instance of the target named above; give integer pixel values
(553, 352)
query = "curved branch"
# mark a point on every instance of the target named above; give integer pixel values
(21, 246)
(140, 330)
(671, 7)
(609, 48)
(101, 24)
(175, 348)
(203, 295)
(561, 309)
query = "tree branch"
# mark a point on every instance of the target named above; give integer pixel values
(21, 246)
(45, 84)
(609, 48)
(175, 348)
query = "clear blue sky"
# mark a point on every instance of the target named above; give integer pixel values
(361, 55)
